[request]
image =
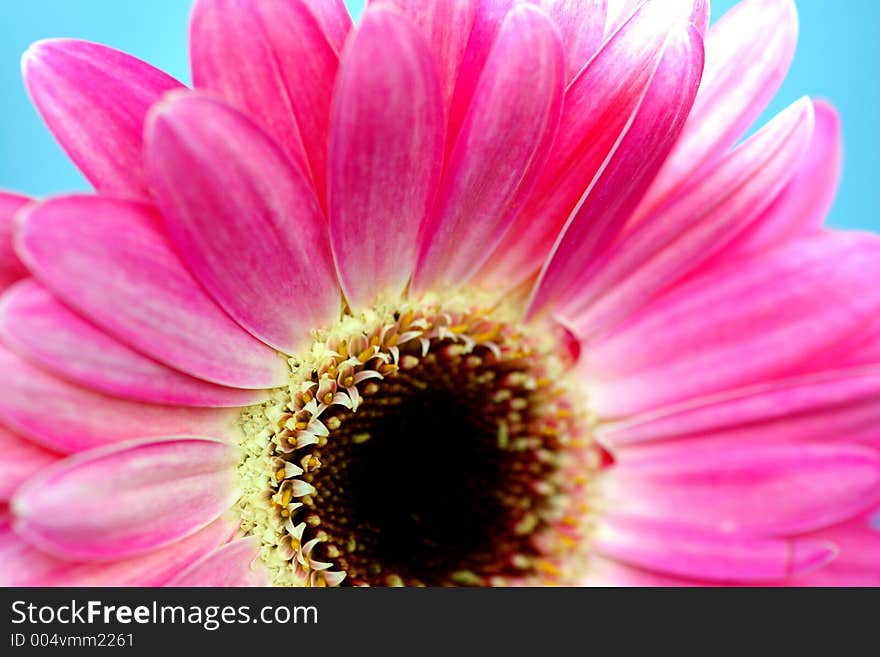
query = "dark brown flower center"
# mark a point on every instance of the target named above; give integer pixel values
(437, 450)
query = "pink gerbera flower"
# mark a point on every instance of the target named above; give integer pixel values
(482, 292)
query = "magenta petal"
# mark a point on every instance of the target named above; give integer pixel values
(859, 561)
(748, 52)
(67, 418)
(334, 19)
(708, 556)
(229, 565)
(246, 223)
(754, 490)
(11, 268)
(446, 26)
(25, 565)
(685, 232)
(42, 329)
(127, 499)
(628, 170)
(94, 100)
(599, 106)
(803, 204)
(754, 321)
(504, 141)
(19, 459)
(835, 405)
(386, 149)
(111, 261)
(488, 18)
(271, 59)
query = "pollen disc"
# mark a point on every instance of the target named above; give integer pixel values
(422, 444)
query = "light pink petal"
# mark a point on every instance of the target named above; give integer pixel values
(229, 565)
(94, 100)
(127, 499)
(19, 459)
(246, 223)
(503, 143)
(111, 261)
(859, 560)
(11, 268)
(610, 573)
(629, 169)
(582, 26)
(600, 105)
(42, 329)
(755, 490)
(271, 59)
(695, 225)
(840, 405)
(68, 418)
(708, 556)
(446, 26)
(750, 322)
(334, 19)
(748, 52)
(803, 204)
(618, 11)
(386, 148)
(24, 565)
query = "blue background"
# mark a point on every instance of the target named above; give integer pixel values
(836, 59)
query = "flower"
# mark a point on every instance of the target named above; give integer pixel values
(480, 292)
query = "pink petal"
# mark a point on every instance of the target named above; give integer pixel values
(488, 18)
(504, 141)
(707, 556)
(25, 565)
(68, 418)
(127, 499)
(94, 100)
(609, 573)
(229, 565)
(582, 26)
(110, 260)
(11, 268)
(751, 322)
(246, 222)
(755, 490)
(271, 59)
(748, 52)
(446, 26)
(687, 231)
(859, 560)
(599, 106)
(19, 459)
(626, 173)
(334, 19)
(803, 204)
(840, 405)
(42, 329)
(386, 155)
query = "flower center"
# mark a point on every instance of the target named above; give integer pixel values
(421, 445)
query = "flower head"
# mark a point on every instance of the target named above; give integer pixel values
(479, 292)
